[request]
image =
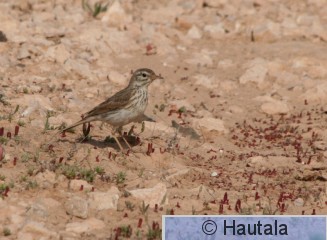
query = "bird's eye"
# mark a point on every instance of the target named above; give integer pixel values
(144, 75)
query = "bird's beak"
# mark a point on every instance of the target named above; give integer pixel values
(154, 77)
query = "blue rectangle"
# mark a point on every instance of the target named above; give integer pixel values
(244, 227)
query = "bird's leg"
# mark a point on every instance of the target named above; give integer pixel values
(119, 145)
(120, 131)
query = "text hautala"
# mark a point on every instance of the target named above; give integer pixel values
(255, 228)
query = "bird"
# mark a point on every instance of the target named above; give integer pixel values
(124, 107)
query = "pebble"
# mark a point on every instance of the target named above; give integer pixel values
(104, 200)
(87, 225)
(214, 174)
(210, 124)
(256, 72)
(77, 206)
(152, 196)
(275, 107)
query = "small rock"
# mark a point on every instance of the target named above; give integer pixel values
(267, 31)
(194, 33)
(79, 66)
(316, 94)
(104, 200)
(256, 72)
(275, 107)
(77, 206)
(299, 202)
(211, 124)
(214, 174)
(117, 78)
(200, 59)
(58, 53)
(85, 226)
(76, 184)
(46, 179)
(23, 53)
(257, 160)
(116, 15)
(226, 63)
(215, 31)
(183, 103)
(158, 126)
(34, 102)
(152, 196)
(320, 145)
(205, 81)
(36, 230)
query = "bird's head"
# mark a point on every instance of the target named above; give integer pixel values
(143, 77)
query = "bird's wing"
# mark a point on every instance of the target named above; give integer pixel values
(117, 101)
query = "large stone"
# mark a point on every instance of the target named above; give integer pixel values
(104, 200)
(46, 179)
(256, 72)
(205, 81)
(76, 184)
(58, 53)
(118, 78)
(36, 230)
(152, 196)
(316, 94)
(210, 124)
(85, 226)
(194, 33)
(116, 15)
(34, 103)
(275, 107)
(77, 206)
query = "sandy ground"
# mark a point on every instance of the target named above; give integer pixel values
(240, 115)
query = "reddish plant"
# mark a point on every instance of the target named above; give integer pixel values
(81, 187)
(238, 205)
(8, 134)
(1, 131)
(15, 161)
(139, 224)
(221, 207)
(156, 207)
(16, 130)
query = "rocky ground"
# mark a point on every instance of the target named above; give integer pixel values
(240, 116)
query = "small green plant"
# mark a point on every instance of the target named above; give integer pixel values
(25, 157)
(182, 110)
(3, 140)
(23, 178)
(144, 208)
(2, 177)
(6, 231)
(87, 174)
(130, 206)
(99, 170)
(126, 231)
(11, 114)
(47, 124)
(97, 8)
(2, 100)
(69, 171)
(3, 187)
(31, 185)
(21, 123)
(25, 90)
(154, 234)
(120, 178)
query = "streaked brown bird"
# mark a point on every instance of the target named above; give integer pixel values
(124, 107)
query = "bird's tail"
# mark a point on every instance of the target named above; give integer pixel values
(86, 120)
